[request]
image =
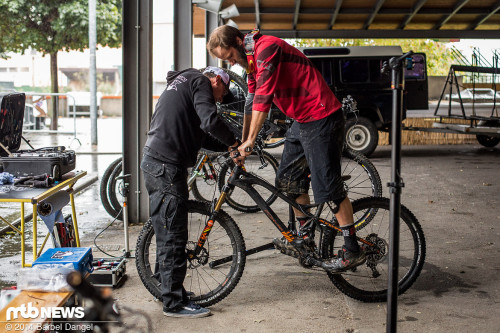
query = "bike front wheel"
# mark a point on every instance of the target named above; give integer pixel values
(239, 199)
(368, 282)
(211, 275)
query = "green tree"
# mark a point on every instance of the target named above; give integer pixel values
(50, 26)
(439, 58)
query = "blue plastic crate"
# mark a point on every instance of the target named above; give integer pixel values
(80, 257)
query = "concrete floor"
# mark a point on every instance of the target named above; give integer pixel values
(455, 194)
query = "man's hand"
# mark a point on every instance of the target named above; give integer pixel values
(234, 148)
(245, 149)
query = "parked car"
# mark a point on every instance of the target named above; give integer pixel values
(356, 71)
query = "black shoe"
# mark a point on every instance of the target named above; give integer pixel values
(344, 261)
(190, 310)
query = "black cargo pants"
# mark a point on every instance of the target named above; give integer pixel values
(168, 194)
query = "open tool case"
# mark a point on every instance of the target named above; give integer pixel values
(54, 161)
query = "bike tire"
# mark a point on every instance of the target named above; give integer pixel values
(239, 199)
(114, 192)
(275, 143)
(225, 240)
(361, 283)
(103, 188)
(364, 180)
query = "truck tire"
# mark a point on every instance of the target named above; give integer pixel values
(361, 135)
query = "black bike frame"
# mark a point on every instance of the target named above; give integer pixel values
(244, 180)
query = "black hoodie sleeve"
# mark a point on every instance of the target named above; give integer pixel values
(204, 104)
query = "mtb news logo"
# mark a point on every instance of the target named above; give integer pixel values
(28, 311)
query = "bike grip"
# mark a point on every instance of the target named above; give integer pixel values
(248, 149)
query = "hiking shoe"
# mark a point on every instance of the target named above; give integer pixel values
(190, 310)
(345, 260)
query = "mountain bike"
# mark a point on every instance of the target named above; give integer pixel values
(202, 179)
(217, 254)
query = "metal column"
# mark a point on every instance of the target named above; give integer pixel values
(137, 98)
(183, 34)
(211, 22)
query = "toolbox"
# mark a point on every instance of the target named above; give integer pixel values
(54, 161)
(79, 257)
(108, 272)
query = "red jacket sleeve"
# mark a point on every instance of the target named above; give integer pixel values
(266, 75)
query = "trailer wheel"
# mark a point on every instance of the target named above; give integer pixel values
(488, 141)
(361, 135)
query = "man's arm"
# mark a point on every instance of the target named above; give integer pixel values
(257, 120)
(206, 109)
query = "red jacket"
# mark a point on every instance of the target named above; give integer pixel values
(285, 76)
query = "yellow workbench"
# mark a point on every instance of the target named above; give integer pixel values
(34, 196)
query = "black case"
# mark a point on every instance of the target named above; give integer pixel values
(55, 161)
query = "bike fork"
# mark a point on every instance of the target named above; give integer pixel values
(210, 223)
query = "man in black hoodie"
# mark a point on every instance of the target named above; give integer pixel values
(184, 120)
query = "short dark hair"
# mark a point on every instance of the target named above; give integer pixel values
(225, 37)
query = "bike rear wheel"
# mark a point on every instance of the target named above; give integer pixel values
(209, 277)
(239, 199)
(368, 282)
(360, 175)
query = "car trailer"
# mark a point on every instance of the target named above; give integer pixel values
(481, 121)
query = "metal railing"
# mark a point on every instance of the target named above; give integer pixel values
(67, 107)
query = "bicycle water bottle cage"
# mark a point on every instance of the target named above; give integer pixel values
(249, 44)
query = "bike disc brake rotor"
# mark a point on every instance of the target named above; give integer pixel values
(193, 260)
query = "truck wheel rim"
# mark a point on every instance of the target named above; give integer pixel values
(358, 137)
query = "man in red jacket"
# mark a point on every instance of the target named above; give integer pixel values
(279, 73)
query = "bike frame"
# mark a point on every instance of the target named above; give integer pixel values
(244, 180)
(200, 164)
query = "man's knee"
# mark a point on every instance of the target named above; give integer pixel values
(335, 204)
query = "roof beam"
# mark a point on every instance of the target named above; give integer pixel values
(296, 14)
(336, 11)
(374, 13)
(445, 19)
(373, 33)
(365, 11)
(414, 11)
(257, 13)
(480, 20)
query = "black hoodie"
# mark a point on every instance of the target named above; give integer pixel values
(184, 116)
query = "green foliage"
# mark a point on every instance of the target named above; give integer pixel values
(439, 58)
(49, 26)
